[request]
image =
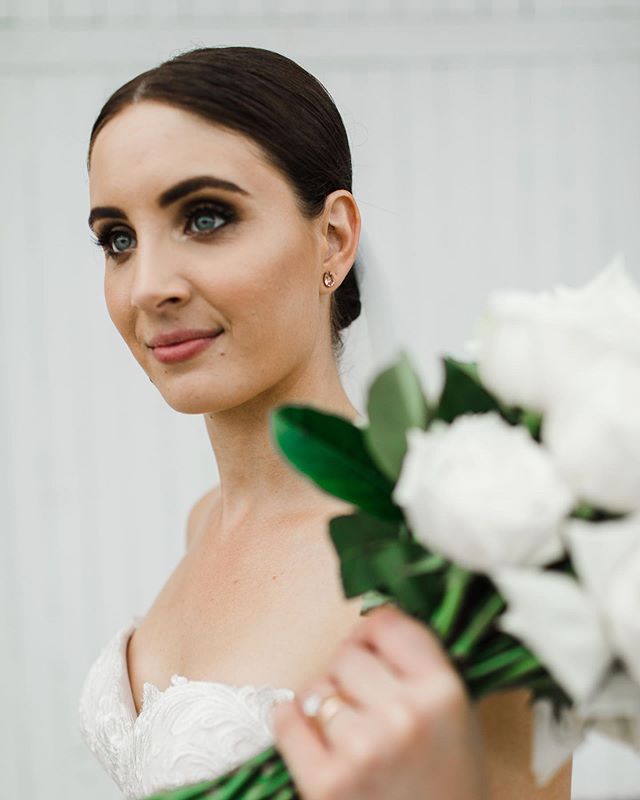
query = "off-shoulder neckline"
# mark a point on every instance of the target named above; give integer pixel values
(150, 690)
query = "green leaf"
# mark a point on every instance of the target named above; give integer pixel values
(532, 421)
(358, 576)
(360, 532)
(372, 599)
(396, 403)
(462, 392)
(584, 511)
(389, 563)
(470, 367)
(331, 451)
(427, 565)
(374, 558)
(355, 538)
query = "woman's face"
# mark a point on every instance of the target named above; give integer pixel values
(185, 259)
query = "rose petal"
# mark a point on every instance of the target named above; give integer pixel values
(557, 620)
(553, 741)
(597, 548)
(619, 697)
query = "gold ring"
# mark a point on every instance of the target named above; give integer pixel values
(322, 709)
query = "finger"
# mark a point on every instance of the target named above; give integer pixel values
(344, 722)
(363, 676)
(358, 737)
(408, 646)
(305, 753)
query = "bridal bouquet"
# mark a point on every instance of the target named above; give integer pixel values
(504, 514)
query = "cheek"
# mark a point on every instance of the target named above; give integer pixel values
(277, 299)
(119, 308)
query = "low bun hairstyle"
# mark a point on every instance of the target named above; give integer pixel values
(278, 104)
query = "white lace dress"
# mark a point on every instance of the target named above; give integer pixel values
(191, 731)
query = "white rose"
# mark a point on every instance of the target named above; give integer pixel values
(592, 429)
(577, 627)
(553, 616)
(528, 344)
(614, 711)
(512, 347)
(622, 610)
(483, 493)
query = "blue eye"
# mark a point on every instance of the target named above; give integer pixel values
(203, 218)
(120, 240)
(204, 222)
(117, 242)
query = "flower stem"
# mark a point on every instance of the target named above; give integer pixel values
(496, 663)
(525, 667)
(482, 619)
(430, 563)
(445, 616)
(543, 683)
(268, 785)
(523, 671)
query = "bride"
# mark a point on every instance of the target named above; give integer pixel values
(220, 188)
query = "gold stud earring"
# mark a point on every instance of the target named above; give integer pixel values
(328, 279)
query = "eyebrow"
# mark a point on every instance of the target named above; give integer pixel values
(171, 195)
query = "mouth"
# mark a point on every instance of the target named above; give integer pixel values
(169, 348)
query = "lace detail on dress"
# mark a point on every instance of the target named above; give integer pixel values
(191, 731)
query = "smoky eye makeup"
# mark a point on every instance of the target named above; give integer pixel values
(207, 210)
(201, 217)
(107, 236)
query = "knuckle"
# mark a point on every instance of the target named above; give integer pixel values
(391, 614)
(443, 694)
(452, 691)
(364, 754)
(379, 617)
(405, 722)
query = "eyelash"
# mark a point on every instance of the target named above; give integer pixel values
(225, 212)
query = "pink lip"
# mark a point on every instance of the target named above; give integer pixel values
(170, 348)
(178, 336)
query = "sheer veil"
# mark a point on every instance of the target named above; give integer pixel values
(373, 341)
(397, 316)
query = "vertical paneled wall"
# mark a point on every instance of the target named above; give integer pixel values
(495, 143)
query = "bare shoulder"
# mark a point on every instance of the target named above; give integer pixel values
(507, 727)
(198, 514)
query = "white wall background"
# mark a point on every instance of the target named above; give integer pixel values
(495, 143)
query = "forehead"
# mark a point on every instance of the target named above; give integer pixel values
(148, 146)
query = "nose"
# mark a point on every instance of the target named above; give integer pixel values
(157, 280)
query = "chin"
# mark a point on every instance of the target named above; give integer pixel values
(195, 402)
(189, 395)
(188, 405)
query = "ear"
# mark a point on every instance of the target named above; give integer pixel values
(340, 231)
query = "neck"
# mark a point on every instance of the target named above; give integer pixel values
(256, 481)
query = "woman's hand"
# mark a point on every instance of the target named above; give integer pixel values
(408, 730)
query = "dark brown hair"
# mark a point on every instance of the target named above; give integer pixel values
(278, 104)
